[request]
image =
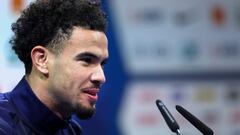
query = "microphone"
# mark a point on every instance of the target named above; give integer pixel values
(171, 122)
(195, 121)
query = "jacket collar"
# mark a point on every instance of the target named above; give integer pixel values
(33, 111)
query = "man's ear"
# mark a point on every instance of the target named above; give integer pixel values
(40, 57)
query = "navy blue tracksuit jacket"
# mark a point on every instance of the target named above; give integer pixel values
(21, 113)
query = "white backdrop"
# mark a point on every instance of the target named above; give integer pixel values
(172, 36)
(187, 37)
(11, 69)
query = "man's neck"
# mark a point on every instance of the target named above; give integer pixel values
(38, 84)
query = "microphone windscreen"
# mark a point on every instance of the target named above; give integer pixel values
(195, 121)
(171, 122)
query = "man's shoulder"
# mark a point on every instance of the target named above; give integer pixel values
(2, 96)
(6, 112)
(4, 103)
(5, 115)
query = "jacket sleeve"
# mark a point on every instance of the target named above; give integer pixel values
(4, 127)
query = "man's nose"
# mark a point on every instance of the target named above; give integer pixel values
(98, 75)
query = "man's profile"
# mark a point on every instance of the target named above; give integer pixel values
(63, 46)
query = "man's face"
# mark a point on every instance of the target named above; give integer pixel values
(76, 74)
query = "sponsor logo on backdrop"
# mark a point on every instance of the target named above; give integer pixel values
(178, 95)
(190, 50)
(233, 93)
(152, 51)
(205, 94)
(185, 18)
(147, 119)
(148, 95)
(156, 16)
(17, 6)
(160, 51)
(178, 92)
(226, 50)
(218, 15)
(146, 16)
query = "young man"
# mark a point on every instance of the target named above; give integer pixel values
(63, 46)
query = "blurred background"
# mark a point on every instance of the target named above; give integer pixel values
(182, 52)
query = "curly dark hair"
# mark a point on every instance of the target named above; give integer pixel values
(50, 22)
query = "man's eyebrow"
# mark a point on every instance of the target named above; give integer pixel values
(87, 54)
(90, 55)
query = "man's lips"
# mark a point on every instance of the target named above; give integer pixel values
(92, 93)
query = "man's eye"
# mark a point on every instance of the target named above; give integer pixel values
(87, 60)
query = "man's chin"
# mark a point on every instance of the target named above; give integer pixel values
(85, 113)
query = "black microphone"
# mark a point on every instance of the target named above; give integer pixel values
(195, 121)
(171, 122)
